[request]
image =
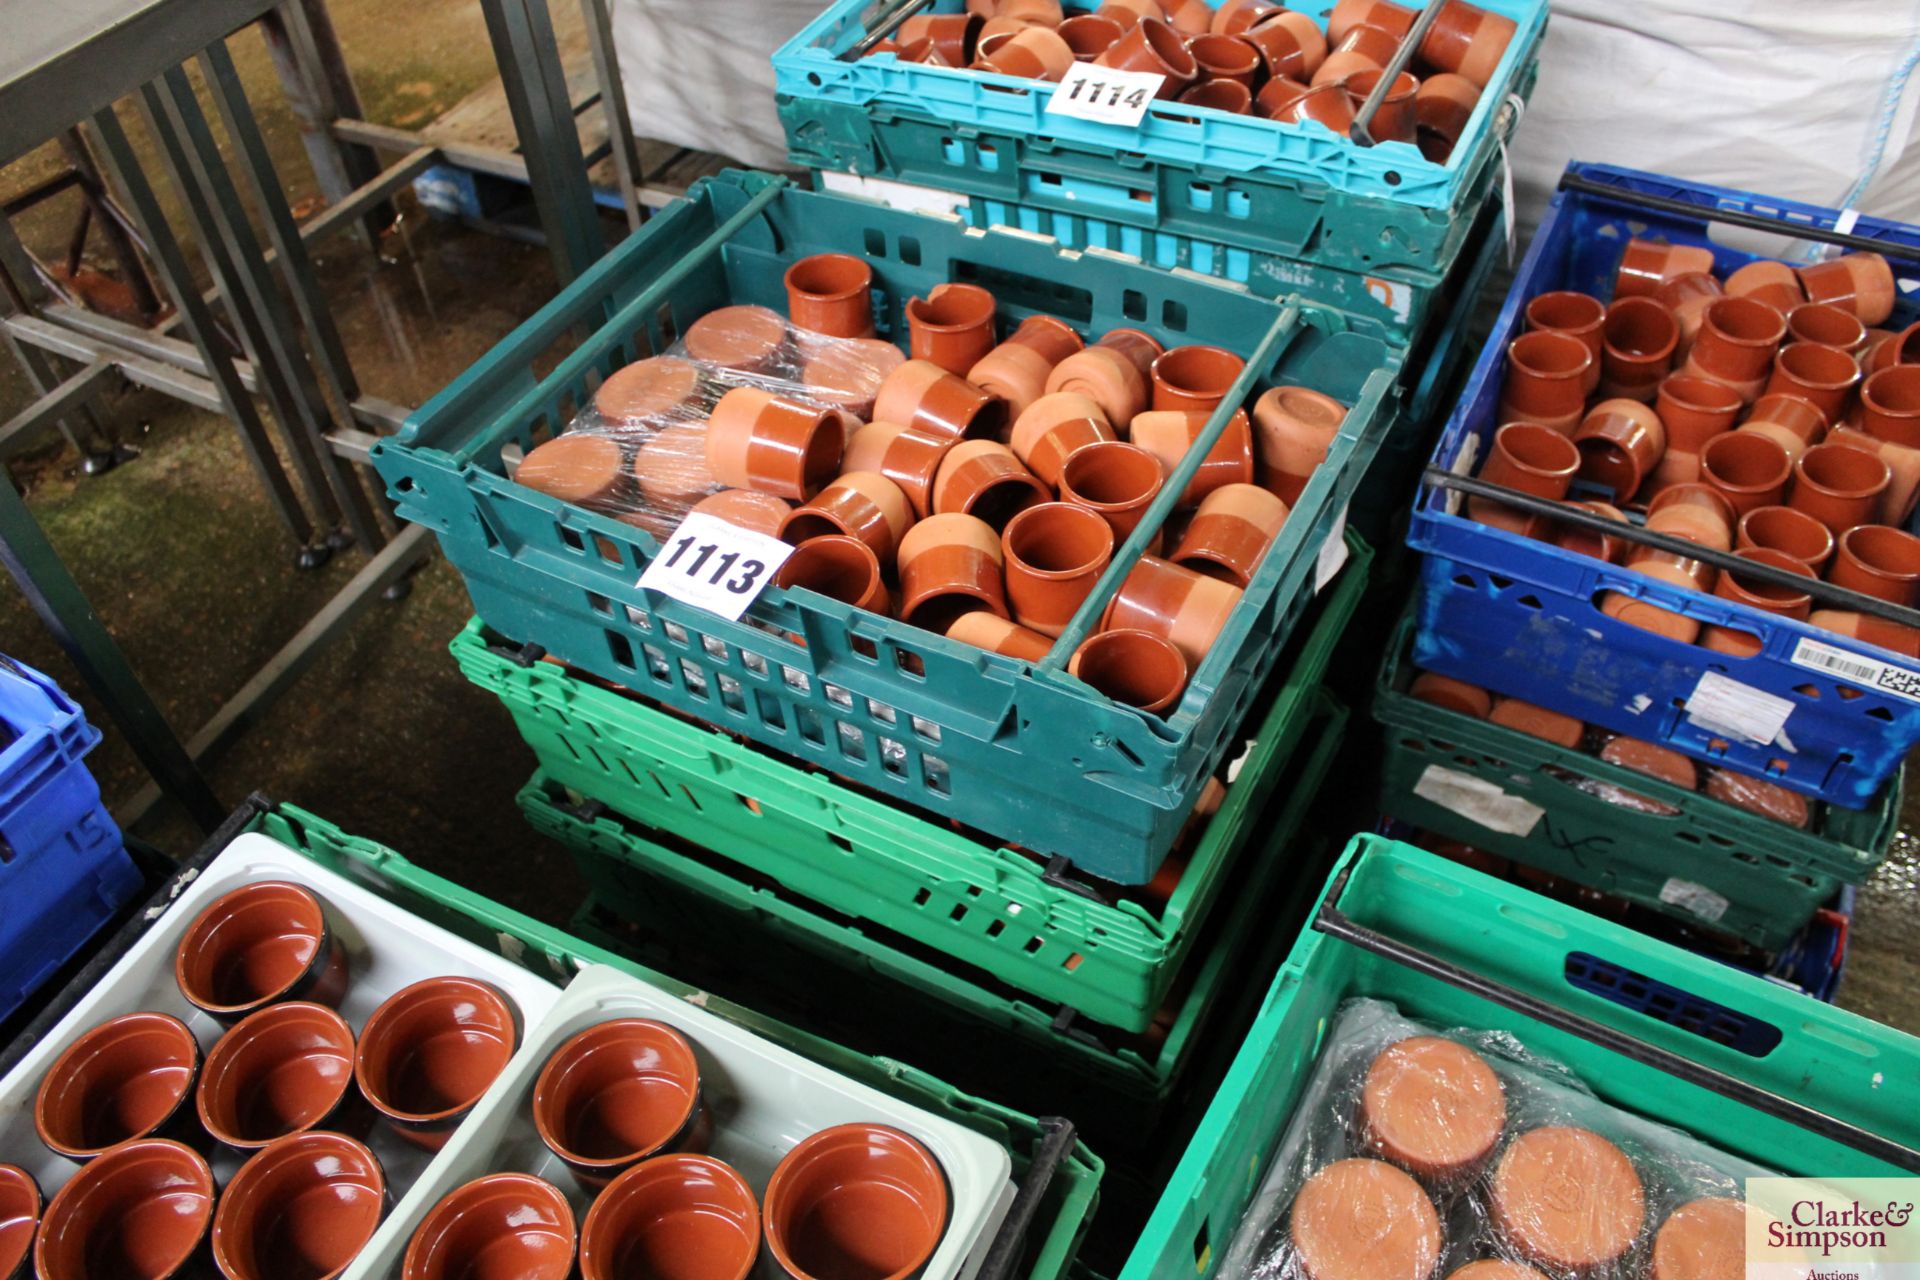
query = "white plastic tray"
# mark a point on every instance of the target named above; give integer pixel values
(765, 1099)
(386, 947)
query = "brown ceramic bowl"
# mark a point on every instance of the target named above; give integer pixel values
(855, 1202)
(301, 1209)
(141, 1210)
(678, 1217)
(1134, 668)
(126, 1078)
(502, 1225)
(1054, 553)
(429, 1052)
(617, 1093)
(285, 1069)
(831, 293)
(260, 943)
(20, 1205)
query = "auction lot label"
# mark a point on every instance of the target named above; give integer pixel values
(1833, 1229)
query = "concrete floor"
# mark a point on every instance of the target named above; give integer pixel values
(183, 558)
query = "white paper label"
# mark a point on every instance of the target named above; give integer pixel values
(1816, 655)
(907, 196)
(715, 566)
(1104, 95)
(1695, 899)
(1477, 800)
(1734, 710)
(1333, 553)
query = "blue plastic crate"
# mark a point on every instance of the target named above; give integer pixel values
(64, 870)
(1520, 616)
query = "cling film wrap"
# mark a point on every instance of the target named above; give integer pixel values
(1418, 1153)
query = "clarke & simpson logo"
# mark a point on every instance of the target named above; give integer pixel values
(1833, 1229)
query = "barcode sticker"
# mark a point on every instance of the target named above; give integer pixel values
(1874, 674)
(1333, 554)
(1723, 706)
(1478, 800)
(1694, 898)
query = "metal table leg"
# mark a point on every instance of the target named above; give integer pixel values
(613, 104)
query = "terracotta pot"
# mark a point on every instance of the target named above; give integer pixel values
(1827, 325)
(1230, 533)
(1867, 629)
(1402, 1237)
(1620, 442)
(1152, 46)
(1089, 35)
(950, 565)
(1638, 338)
(953, 34)
(1696, 512)
(644, 390)
(1758, 796)
(922, 395)
(1695, 410)
(1362, 48)
(1188, 17)
(1785, 601)
(1297, 426)
(1676, 468)
(1839, 486)
(1688, 296)
(1017, 369)
(1444, 104)
(127, 1077)
(1195, 377)
(140, 1210)
(1888, 349)
(618, 1093)
(1655, 761)
(982, 478)
(861, 504)
(1112, 373)
(1645, 265)
(1860, 282)
(680, 1217)
(1595, 546)
(20, 1204)
(1538, 722)
(1635, 612)
(1169, 600)
(909, 458)
(1046, 13)
(1117, 481)
(1053, 428)
(1235, 16)
(428, 1053)
(1225, 57)
(1054, 553)
(1749, 470)
(503, 1224)
(1468, 41)
(840, 568)
(1290, 43)
(1773, 283)
(303, 1207)
(1790, 412)
(925, 52)
(1898, 502)
(750, 339)
(260, 943)
(745, 509)
(1452, 695)
(1528, 1200)
(1529, 458)
(1791, 444)
(1546, 381)
(859, 1200)
(1736, 345)
(1348, 14)
(1218, 95)
(953, 325)
(1890, 405)
(1135, 668)
(756, 440)
(1880, 562)
(1578, 315)
(1127, 13)
(1396, 120)
(832, 293)
(283, 1070)
(985, 631)
(1032, 53)
(1168, 434)
(1791, 532)
(671, 470)
(1432, 1106)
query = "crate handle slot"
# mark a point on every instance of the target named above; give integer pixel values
(1332, 921)
(1128, 553)
(1057, 1141)
(1572, 181)
(1361, 131)
(1825, 592)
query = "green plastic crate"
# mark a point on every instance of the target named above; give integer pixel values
(1709, 864)
(1069, 1199)
(1849, 1073)
(1025, 751)
(986, 906)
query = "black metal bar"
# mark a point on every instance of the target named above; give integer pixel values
(1009, 1247)
(45, 189)
(1736, 218)
(888, 23)
(52, 405)
(1824, 592)
(1331, 921)
(1361, 130)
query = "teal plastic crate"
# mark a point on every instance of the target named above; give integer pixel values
(1276, 206)
(1815, 1091)
(1023, 751)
